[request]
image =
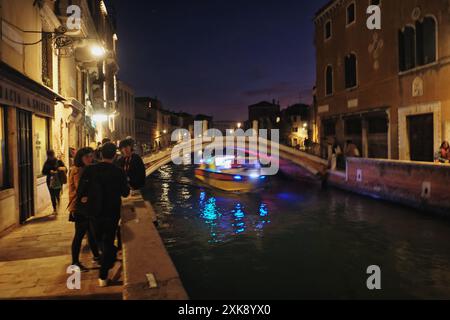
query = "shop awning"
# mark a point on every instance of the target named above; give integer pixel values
(28, 83)
(19, 91)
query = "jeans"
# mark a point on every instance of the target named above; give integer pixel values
(55, 195)
(81, 229)
(106, 229)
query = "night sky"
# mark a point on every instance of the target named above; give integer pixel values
(217, 57)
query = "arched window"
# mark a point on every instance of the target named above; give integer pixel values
(351, 14)
(350, 71)
(426, 41)
(328, 30)
(329, 81)
(407, 48)
(417, 44)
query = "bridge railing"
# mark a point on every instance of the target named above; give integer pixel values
(314, 164)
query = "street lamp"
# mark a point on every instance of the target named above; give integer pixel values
(99, 118)
(98, 51)
(239, 125)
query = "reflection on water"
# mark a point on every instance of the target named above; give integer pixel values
(296, 241)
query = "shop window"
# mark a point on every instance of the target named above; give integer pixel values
(350, 71)
(3, 151)
(41, 138)
(329, 128)
(353, 127)
(377, 125)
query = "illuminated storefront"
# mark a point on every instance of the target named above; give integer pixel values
(27, 109)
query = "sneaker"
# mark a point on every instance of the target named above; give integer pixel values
(83, 269)
(102, 283)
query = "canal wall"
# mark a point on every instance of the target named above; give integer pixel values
(149, 273)
(425, 186)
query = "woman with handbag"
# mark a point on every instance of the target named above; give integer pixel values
(56, 173)
(83, 225)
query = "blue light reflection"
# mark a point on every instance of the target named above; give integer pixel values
(227, 218)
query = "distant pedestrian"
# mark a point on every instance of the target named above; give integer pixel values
(98, 152)
(56, 173)
(351, 150)
(132, 165)
(444, 152)
(83, 222)
(101, 188)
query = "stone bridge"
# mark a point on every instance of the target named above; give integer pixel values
(292, 162)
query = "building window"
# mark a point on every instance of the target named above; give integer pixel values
(426, 41)
(350, 71)
(351, 14)
(329, 128)
(353, 127)
(377, 125)
(3, 151)
(328, 30)
(47, 60)
(41, 136)
(329, 81)
(417, 46)
(407, 48)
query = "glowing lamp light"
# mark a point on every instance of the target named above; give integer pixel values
(254, 175)
(237, 178)
(98, 51)
(99, 118)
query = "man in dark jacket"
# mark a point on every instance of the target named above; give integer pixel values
(111, 183)
(132, 165)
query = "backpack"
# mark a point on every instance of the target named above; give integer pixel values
(89, 200)
(55, 182)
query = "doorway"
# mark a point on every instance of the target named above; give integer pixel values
(421, 137)
(25, 157)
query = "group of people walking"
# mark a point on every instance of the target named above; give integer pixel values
(97, 182)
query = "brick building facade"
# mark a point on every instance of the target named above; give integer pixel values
(386, 90)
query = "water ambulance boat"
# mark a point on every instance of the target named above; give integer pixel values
(222, 173)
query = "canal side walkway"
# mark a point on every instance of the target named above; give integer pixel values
(34, 260)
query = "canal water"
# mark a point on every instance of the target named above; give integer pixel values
(296, 241)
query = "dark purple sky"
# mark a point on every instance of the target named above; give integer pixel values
(216, 56)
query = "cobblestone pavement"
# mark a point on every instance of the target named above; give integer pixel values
(34, 260)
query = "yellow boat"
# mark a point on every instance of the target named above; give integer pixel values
(221, 173)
